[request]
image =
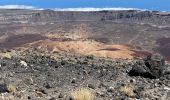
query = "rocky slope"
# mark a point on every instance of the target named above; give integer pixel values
(37, 74)
(46, 55)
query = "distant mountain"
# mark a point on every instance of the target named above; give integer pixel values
(147, 17)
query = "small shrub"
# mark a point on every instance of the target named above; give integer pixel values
(6, 55)
(128, 90)
(83, 94)
(11, 88)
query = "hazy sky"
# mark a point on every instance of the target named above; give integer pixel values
(162, 5)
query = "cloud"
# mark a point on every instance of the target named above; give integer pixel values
(17, 7)
(64, 9)
(94, 9)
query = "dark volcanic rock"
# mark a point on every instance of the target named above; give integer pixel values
(151, 67)
(139, 69)
(104, 76)
(53, 98)
(47, 85)
(91, 86)
(156, 64)
(61, 95)
(3, 88)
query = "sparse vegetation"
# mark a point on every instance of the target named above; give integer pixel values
(83, 94)
(6, 55)
(11, 88)
(128, 90)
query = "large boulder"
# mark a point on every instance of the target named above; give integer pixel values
(156, 65)
(151, 67)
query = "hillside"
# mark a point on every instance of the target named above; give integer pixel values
(144, 31)
(48, 55)
(40, 74)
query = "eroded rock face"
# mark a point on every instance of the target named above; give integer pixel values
(151, 67)
(26, 16)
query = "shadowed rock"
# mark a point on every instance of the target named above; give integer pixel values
(151, 67)
(156, 64)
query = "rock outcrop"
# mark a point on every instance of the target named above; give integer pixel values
(151, 67)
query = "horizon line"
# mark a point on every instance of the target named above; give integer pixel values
(72, 9)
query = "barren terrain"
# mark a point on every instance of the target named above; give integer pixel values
(47, 55)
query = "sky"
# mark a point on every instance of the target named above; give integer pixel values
(160, 5)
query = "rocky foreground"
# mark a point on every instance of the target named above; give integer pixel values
(37, 74)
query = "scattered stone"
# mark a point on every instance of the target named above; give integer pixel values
(63, 62)
(23, 63)
(56, 66)
(39, 94)
(53, 98)
(102, 85)
(3, 88)
(29, 97)
(73, 80)
(10, 74)
(91, 86)
(61, 95)
(7, 88)
(101, 94)
(70, 98)
(47, 85)
(18, 94)
(111, 89)
(167, 88)
(132, 81)
(3, 64)
(41, 90)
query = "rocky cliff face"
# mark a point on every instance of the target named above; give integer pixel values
(149, 17)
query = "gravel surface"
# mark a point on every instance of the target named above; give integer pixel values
(37, 74)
